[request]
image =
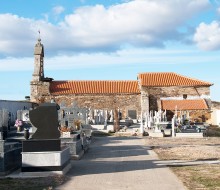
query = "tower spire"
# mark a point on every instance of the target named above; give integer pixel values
(39, 38)
(38, 74)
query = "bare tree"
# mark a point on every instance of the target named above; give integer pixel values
(116, 120)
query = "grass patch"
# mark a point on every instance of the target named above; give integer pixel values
(102, 134)
(196, 177)
(204, 177)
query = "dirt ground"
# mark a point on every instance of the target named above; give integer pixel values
(205, 176)
(186, 149)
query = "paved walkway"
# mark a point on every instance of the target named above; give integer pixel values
(119, 163)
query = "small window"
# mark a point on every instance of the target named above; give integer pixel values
(184, 96)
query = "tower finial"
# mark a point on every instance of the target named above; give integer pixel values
(39, 39)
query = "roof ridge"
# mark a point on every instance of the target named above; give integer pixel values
(155, 72)
(169, 79)
(94, 81)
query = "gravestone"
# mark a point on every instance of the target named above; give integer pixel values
(1, 118)
(68, 115)
(62, 117)
(79, 113)
(19, 114)
(45, 119)
(10, 152)
(132, 114)
(71, 120)
(76, 141)
(43, 153)
(46, 137)
(1, 125)
(4, 118)
(25, 116)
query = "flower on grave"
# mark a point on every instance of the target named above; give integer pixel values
(66, 129)
(18, 123)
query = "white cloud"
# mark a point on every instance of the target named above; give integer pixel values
(137, 22)
(17, 64)
(140, 23)
(125, 57)
(16, 34)
(58, 10)
(218, 10)
(207, 36)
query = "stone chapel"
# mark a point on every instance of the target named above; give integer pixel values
(151, 91)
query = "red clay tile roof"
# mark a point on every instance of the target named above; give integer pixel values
(169, 79)
(93, 87)
(198, 104)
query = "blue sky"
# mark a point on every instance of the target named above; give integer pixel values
(108, 40)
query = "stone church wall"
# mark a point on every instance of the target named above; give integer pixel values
(156, 93)
(177, 91)
(124, 102)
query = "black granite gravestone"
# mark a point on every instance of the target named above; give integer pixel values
(46, 138)
(45, 119)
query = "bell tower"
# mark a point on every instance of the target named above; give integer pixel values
(38, 74)
(39, 84)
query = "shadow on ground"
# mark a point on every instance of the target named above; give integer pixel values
(106, 157)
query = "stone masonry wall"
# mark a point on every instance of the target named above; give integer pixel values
(124, 102)
(40, 93)
(156, 93)
(177, 91)
(39, 90)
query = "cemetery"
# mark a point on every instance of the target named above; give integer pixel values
(50, 133)
(38, 142)
(56, 132)
(67, 133)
